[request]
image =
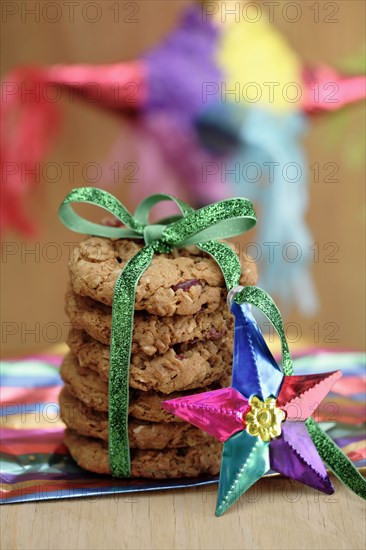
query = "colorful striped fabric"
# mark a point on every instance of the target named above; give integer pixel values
(35, 464)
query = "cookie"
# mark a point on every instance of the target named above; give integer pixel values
(182, 282)
(182, 367)
(92, 454)
(147, 405)
(142, 435)
(87, 386)
(152, 334)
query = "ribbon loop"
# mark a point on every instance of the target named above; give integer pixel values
(103, 199)
(143, 210)
(260, 299)
(221, 220)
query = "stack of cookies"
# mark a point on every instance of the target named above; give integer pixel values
(182, 343)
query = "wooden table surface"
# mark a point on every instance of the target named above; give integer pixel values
(275, 514)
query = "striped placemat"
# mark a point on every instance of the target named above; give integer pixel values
(36, 465)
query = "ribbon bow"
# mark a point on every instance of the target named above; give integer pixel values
(202, 227)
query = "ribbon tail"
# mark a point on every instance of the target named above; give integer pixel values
(337, 461)
(121, 338)
(227, 260)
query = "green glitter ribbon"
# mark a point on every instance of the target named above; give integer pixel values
(260, 299)
(336, 460)
(225, 219)
(330, 453)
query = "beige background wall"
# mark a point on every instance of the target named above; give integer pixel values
(34, 274)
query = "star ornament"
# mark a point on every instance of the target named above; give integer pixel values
(261, 418)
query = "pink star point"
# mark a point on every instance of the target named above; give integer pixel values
(300, 395)
(219, 413)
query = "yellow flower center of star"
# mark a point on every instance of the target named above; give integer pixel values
(264, 419)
